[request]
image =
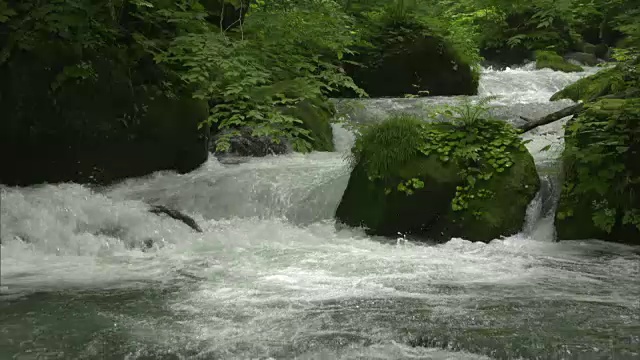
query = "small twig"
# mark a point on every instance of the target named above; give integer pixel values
(222, 17)
(240, 19)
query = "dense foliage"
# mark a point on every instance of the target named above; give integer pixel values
(601, 160)
(247, 68)
(601, 175)
(251, 59)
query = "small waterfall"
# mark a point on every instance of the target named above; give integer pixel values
(540, 216)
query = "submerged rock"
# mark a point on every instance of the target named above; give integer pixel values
(498, 207)
(600, 196)
(403, 60)
(244, 143)
(583, 58)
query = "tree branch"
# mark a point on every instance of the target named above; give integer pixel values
(568, 111)
(572, 110)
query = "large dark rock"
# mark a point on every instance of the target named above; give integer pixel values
(500, 58)
(170, 141)
(601, 166)
(97, 113)
(405, 60)
(374, 204)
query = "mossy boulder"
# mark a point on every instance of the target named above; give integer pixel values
(110, 123)
(410, 59)
(316, 115)
(417, 193)
(553, 61)
(601, 182)
(614, 80)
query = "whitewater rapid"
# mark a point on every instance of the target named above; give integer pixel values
(271, 276)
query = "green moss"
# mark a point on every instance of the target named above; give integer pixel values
(316, 115)
(602, 83)
(602, 174)
(553, 61)
(403, 150)
(494, 216)
(589, 48)
(367, 203)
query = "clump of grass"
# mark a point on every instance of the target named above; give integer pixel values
(388, 145)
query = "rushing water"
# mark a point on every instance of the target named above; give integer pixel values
(272, 277)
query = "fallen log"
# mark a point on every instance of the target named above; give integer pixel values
(560, 114)
(177, 215)
(572, 110)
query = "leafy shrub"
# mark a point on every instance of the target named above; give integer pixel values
(601, 166)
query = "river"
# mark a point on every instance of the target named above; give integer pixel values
(271, 276)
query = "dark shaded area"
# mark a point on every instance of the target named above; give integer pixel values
(86, 101)
(500, 52)
(407, 59)
(166, 138)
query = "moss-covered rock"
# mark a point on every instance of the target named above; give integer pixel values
(417, 192)
(109, 123)
(409, 59)
(316, 115)
(553, 61)
(609, 81)
(166, 138)
(601, 183)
